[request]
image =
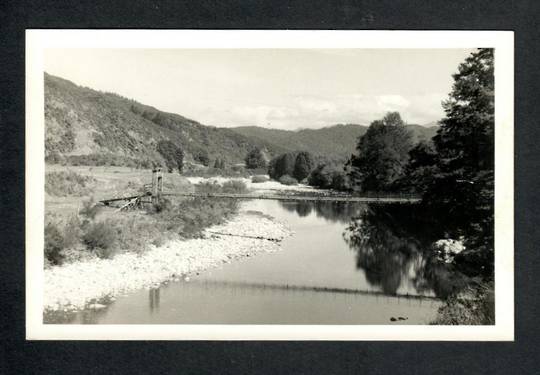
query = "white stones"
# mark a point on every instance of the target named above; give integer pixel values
(447, 249)
(78, 284)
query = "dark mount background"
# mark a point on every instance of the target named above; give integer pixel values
(520, 357)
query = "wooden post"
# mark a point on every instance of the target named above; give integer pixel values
(157, 185)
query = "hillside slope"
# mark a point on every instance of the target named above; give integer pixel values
(89, 127)
(337, 141)
(86, 126)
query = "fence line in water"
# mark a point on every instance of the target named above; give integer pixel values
(304, 288)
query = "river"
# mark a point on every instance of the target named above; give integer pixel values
(345, 264)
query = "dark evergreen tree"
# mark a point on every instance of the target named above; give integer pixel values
(179, 158)
(282, 165)
(462, 183)
(302, 165)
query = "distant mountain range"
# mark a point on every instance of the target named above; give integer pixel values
(85, 123)
(337, 141)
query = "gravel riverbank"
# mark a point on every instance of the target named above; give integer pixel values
(76, 285)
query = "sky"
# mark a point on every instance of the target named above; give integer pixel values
(274, 88)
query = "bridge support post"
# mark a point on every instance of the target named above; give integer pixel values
(157, 185)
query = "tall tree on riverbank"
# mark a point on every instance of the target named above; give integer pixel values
(282, 165)
(256, 159)
(382, 155)
(303, 165)
(462, 180)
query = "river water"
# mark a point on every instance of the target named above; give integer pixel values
(345, 264)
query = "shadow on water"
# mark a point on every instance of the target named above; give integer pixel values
(153, 299)
(335, 212)
(394, 243)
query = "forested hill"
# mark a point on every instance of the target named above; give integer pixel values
(337, 141)
(85, 126)
(91, 127)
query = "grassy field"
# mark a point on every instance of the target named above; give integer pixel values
(104, 183)
(77, 228)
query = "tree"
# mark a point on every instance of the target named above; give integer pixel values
(465, 140)
(179, 158)
(463, 179)
(421, 168)
(382, 155)
(303, 165)
(173, 155)
(320, 177)
(255, 159)
(202, 157)
(282, 165)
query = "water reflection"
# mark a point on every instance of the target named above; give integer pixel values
(336, 212)
(394, 248)
(153, 299)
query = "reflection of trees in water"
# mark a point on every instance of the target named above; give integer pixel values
(338, 211)
(393, 246)
(153, 299)
(333, 211)
(303, 209)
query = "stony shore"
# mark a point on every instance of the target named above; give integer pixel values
(76, 285)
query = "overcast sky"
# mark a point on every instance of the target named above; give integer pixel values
(278, 88)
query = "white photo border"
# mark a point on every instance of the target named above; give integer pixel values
(503, 43)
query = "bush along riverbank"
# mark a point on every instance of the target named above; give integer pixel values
(88, 283)
(100, 232)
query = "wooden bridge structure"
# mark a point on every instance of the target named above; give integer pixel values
(308, 198)
(153, 193)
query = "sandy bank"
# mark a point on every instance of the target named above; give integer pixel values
(76, 285)
(270, 186)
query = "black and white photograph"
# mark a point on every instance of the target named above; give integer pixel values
(272, 185)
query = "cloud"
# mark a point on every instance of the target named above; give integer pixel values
(317, 111)
(392, 102)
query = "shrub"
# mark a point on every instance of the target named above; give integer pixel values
(288, 180)
(163, 205)
(328, 177)
(234, 187)
(67, 183)
(256, 158)
(53, 244)
(101, 238)
(89, 209)
(72, 232)
(259, 179)
(208, 187)
(473, 307)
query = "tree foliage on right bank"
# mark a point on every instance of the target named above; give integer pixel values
(456, 174)
(382, 155)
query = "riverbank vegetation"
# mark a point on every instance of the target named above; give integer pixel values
(453, 172)
(75, 231)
